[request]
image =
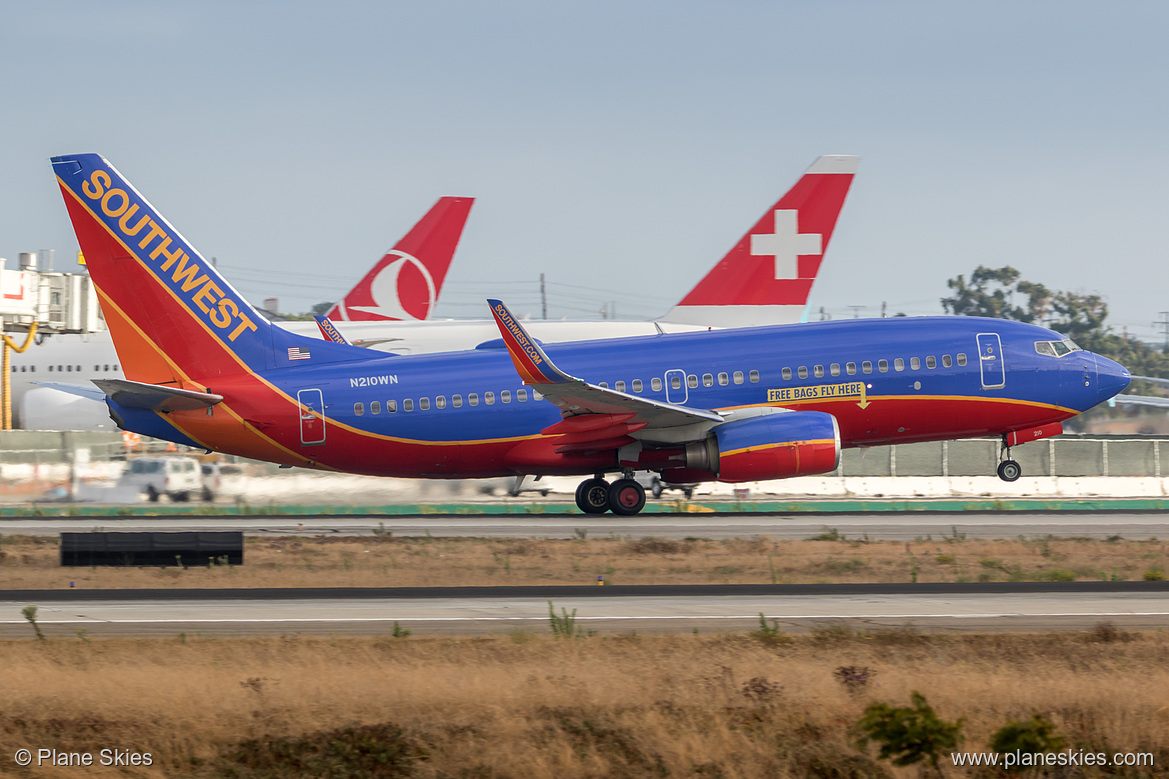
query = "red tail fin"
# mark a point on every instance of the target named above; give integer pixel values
(406, 282)
(767, 277)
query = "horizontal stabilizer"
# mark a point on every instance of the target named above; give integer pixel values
(81, 390)
(134, 394)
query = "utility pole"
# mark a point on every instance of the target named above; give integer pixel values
(543, 297)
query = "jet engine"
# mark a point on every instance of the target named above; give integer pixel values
(772, 446)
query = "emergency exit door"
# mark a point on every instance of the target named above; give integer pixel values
(312, 416)
(990, 361)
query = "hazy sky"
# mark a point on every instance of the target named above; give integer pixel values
(621, 148)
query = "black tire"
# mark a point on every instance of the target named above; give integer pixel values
(151, 493)
(626, 497)
(688, 492)
(592, 496)
(208, 495)
(180, 497)
(1009, 470)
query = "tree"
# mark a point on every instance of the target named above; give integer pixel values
(908, 734)
(991, 292)
(320, 309)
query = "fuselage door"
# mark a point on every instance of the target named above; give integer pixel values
(312, 416)
(990, 361)
(676, 391)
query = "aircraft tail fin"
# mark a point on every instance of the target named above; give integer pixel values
(173, 319)
(406, 282)
(329, 331)
(768, 275)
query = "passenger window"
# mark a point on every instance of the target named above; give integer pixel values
(457, 401)
(619, 386)
(723, 379)
(407, 405)
(521, 395)
(95, 369)
(915, 363)
(603, 384)
(375, 407)
(738, 377)
(930, 362)
(391, 406)
(754, 375)
(440, 401)
(656, 384)
(867, 366)
(637, 385)
(850, 368)
(358, 408)
(946, 361)
(489, 398)
(961, 358)
(707, 380)
(786, 373)
(423, 404)
(505, 396)
(883, 366)
(818, 371)
(898, 364)
(691, 381)
(675, 382)
(803, 372)
(834, 369)
(473, 399)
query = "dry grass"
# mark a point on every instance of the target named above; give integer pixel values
(32, 563)
(532, 706)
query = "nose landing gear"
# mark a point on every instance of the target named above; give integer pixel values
(1008, 469)
(624, 496)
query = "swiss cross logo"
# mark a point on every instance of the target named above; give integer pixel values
(786, 244)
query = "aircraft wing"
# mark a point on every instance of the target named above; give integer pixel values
(612, 414)
(1139, 400)
(134, 394)
(81, 390)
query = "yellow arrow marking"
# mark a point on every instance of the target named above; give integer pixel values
(864, 398)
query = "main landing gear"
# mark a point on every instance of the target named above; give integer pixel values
(1008, 469)
(624, 496)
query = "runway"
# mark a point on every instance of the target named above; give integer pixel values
(876, 526)
(1031, 606)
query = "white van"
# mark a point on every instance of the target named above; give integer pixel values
(176, 477)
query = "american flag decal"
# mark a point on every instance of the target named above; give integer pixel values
(296, 353)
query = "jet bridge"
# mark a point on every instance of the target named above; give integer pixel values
(34, 298)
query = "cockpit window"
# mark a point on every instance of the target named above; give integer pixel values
(1057, 348)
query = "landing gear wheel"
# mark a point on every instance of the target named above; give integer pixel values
(626, 497)
(1009, 470)
(592, 496)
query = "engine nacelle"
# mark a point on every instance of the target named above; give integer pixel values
(776, 446)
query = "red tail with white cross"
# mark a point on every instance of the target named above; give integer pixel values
(767, 277)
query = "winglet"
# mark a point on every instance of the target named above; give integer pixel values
(330, 331)
(531, 363)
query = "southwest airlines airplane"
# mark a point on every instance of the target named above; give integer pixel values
(765, 278)
(731, 405)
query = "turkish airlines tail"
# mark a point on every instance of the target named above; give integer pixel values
(405, 283)
(767, 277)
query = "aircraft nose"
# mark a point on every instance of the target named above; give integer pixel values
(1111, 378)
